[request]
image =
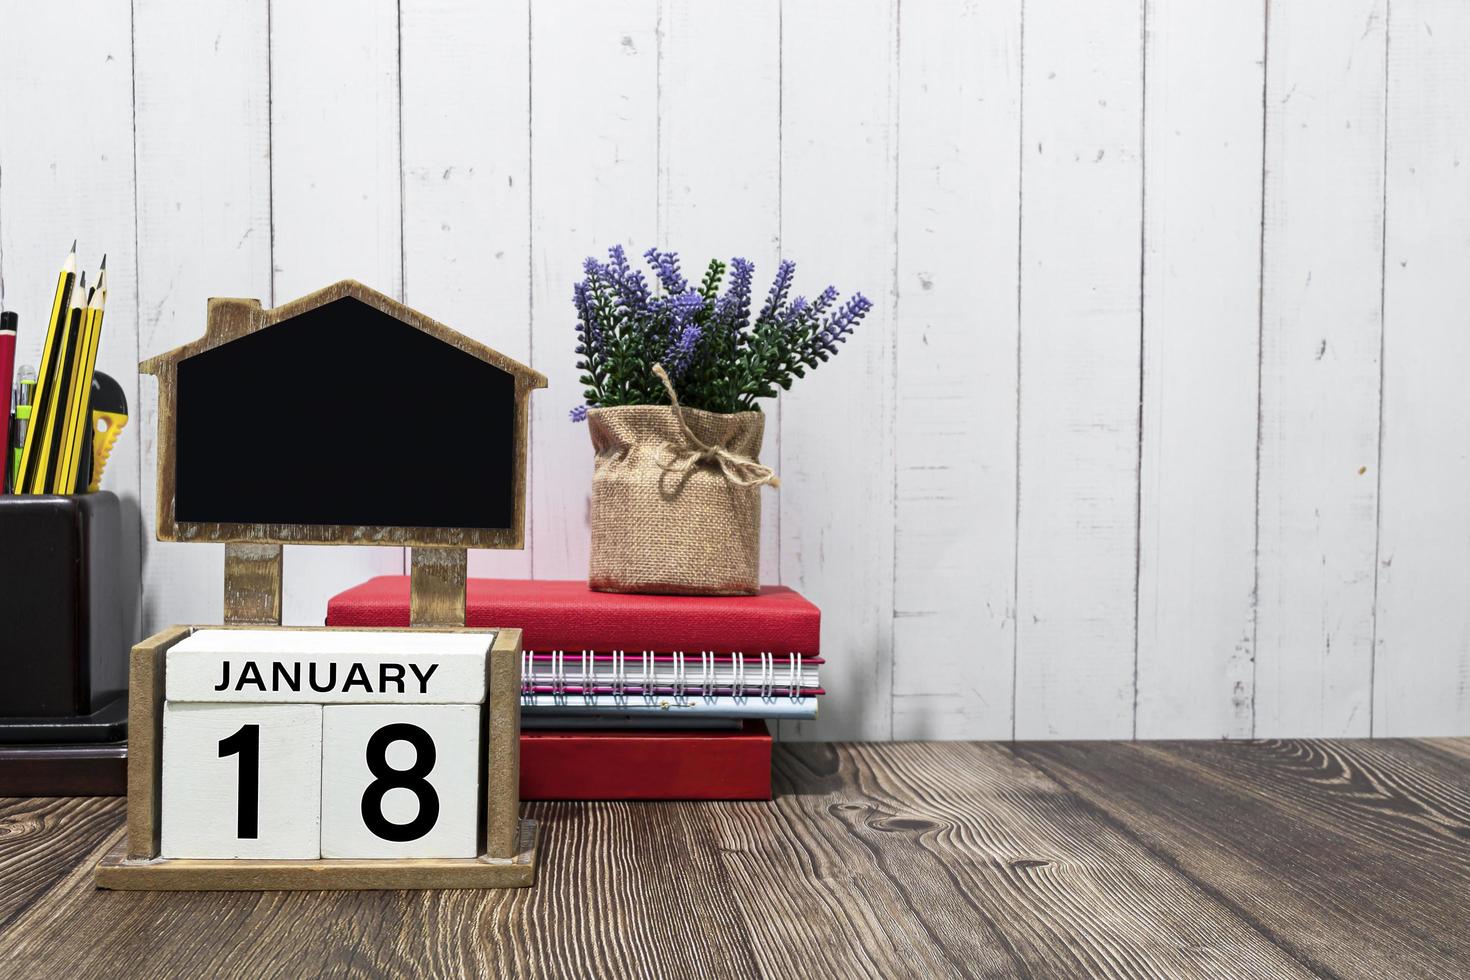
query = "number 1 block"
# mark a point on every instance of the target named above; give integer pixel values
(241, 781)
(400, 781)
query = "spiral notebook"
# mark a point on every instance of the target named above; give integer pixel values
(646, 672)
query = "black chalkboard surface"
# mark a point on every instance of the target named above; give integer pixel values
(344, 415)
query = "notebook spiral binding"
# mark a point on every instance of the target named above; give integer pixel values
(774, 676)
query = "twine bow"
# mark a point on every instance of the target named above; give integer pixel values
(742, 471)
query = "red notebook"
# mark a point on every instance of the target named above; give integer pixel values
(657, 765)
(556, 615)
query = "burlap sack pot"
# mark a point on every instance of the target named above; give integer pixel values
(676, 505)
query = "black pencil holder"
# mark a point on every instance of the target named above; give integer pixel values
(62, 649)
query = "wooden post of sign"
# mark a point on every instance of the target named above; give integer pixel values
(436, 589)
(253, 584)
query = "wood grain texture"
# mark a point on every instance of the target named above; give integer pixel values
(1076, 551)
(42, 839)
(436, 591)
(1057, 859)
(502, 769)
(204, 216)
(594, 170)
(1349, 855)
(719, 173)
(1421, 679)
(959, 199)
(397, 143)
(118, 873)
(253, 583)
(1321, 298)
(336, 202)
(466, 156)
(145, 740)
(839, 125)
(1204, 77)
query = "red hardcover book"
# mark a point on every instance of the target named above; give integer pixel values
(556, 615)
(650, 765)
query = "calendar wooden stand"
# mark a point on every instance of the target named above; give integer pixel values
(254, 527)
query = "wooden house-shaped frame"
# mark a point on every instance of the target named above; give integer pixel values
(252, 588)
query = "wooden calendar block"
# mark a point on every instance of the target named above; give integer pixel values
(473, 777)
(328, 666)
(241, 781)
(400, 781)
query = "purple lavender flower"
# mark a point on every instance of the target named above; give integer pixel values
(733, 308)
(684, 333)
(681, 351)
(828, 297)
(590, 339)
(837, 328)
(666, 265)
(780, 286)
(721, 356)
(629, 283)
(619, 264)
(685, 305)
(795, 314)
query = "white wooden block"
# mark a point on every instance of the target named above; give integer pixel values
(241, 780)
(422, 801)
(328, 667)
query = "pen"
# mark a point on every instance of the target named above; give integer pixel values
(25, 390)
(8, 322)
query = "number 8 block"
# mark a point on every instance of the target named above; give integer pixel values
(400, 781)
(241, 781)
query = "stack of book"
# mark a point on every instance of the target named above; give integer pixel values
(638, 696)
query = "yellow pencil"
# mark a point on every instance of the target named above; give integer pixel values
(51, 353)
(67, 414)
(48, 464)
(48, 454)
(78, 414)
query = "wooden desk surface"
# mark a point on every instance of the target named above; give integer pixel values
(913, 859)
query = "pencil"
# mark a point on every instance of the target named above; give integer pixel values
(49, 466)
(78, 415)
(32, 452)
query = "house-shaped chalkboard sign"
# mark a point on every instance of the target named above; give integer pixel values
(342, 417)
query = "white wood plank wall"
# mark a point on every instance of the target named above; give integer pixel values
(1160, 425)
